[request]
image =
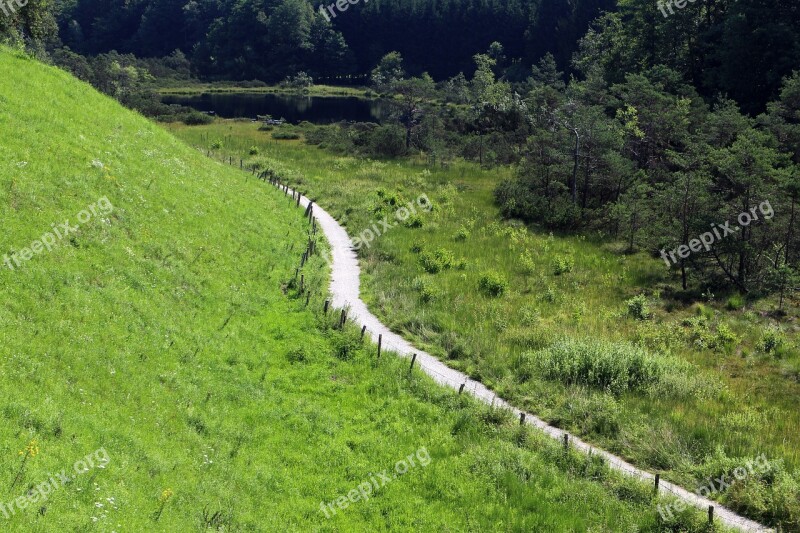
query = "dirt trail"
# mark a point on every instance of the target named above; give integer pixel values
(345, 291)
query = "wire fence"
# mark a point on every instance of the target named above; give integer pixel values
(391, 342)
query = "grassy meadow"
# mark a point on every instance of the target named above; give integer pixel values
(168, 333)
(567, 326)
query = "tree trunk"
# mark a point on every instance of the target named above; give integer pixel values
(577, 155)
(742, 274)
(789, 231)
(684, 281)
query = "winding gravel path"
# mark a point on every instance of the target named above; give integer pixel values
(345, 290)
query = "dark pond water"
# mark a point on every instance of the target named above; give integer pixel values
(293, 108)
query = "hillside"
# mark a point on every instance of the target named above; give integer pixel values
(155, 351)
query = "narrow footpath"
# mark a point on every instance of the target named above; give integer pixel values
(345, 291)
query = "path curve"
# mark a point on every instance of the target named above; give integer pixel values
(345, 291)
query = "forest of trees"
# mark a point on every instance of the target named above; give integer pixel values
(738, 48)
(270, 39)
(619, 119)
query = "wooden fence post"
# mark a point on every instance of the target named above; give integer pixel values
(461, 388)
(413, 358)
(363, 330)
(566, 442)
(380, 342)
(658, 478)
(521, 418)
(325, 309)
(711, 514)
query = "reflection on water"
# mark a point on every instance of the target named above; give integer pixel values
(293, 108)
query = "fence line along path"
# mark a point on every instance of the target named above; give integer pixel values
(345, 292)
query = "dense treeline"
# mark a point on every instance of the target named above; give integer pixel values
(673, 120)
(738, 48)
(441, 37)
(741, 49)
(710, 190)
(270, 39)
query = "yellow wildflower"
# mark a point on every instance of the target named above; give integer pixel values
(31, 450)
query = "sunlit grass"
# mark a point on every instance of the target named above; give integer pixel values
(754, 408)
(169, 334)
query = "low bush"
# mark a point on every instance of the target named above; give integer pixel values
(297, 355)
(492, 284)
(639, 308)
(773, 341)
(196, 118)
(285, 135)
(462, 234)
(436, 261)
(414, 221)
(563, 265)
(387, 141)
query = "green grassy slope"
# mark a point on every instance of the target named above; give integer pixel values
(164, 333)
(720, 402)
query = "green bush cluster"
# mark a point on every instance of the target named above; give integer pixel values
(563, 265)
(361, 138)
(493, 284)
(703, 336)
(773, 341)
(285, 135)
(436, 261)
(639, 308)
(462, 234)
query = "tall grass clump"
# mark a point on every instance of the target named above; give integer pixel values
(616, 367)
